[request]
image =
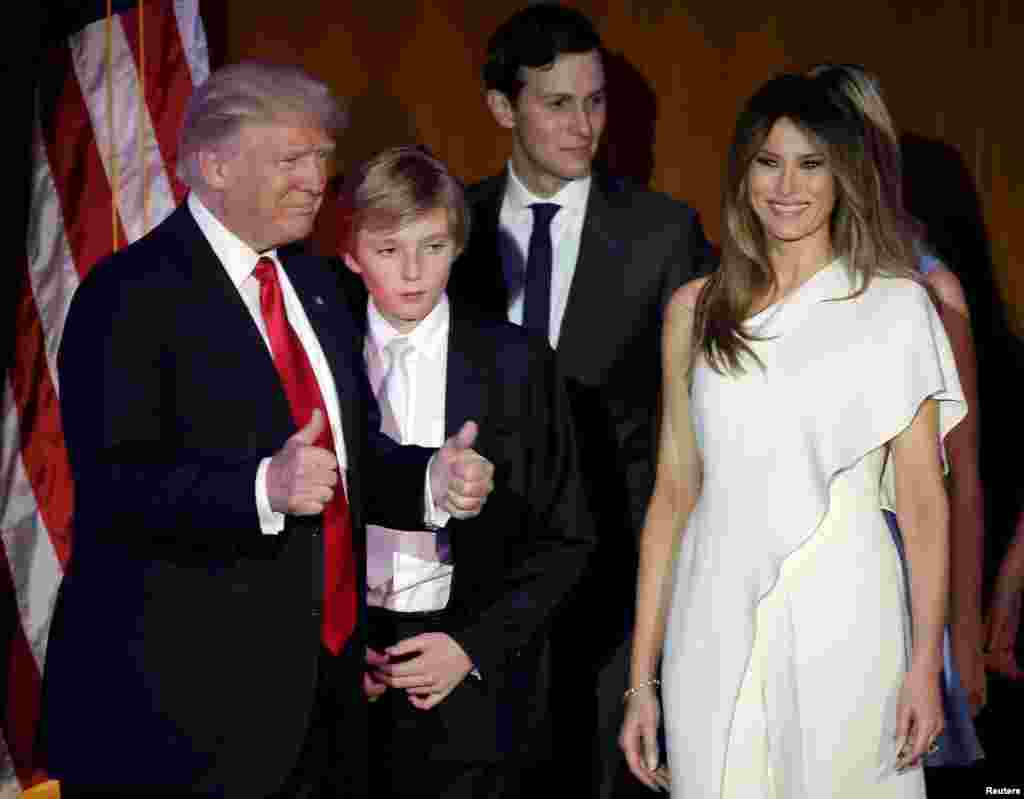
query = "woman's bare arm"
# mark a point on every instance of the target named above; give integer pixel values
(922, 509)
(676, 487)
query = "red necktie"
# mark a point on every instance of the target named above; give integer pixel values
(303, 392)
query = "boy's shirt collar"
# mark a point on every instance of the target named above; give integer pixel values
(427, 337)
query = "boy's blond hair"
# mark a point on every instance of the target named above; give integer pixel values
(396, 187)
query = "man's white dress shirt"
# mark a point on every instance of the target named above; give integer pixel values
(516, 221)
(239, 261)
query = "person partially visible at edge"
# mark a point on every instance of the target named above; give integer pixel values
(1003, 623)
(208, 634)
(963, 686)
(806, 385)
(967, 500)
(586, 261)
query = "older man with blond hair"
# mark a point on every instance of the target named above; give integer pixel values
(207, 639)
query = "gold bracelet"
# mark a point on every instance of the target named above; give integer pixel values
(637, 688)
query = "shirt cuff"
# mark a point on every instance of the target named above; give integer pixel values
(433, 517)
(271, 522)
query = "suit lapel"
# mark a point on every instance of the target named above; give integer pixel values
(236, 330)
(337, 333)
(326, 319)
(597, 284)
(465, 391)
(479, 277)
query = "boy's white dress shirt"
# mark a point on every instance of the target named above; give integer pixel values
(409, 570)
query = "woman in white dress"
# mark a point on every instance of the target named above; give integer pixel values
(806, 383)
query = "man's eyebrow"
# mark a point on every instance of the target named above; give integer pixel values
(292, 149)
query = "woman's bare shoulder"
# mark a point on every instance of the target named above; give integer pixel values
(947, 288)
(679, 318)
(684, 299)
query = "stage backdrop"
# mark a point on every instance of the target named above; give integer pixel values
(680, 72)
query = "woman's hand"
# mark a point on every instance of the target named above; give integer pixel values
(639, 739)
(1003, 624)
(919, 719)
(967, 640)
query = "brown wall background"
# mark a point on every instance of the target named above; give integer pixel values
(681, 70)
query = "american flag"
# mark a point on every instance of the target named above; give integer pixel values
(109, 102)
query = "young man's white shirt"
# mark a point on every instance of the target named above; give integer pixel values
(516, 222)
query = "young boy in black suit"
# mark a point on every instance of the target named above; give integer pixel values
(457, 666)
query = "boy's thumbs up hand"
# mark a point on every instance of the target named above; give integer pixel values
(460, 478)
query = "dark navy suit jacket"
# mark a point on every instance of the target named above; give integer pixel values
(636, 248)
(184, 645)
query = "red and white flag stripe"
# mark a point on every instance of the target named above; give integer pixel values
(104, 148)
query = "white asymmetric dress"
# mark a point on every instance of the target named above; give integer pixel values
(786, 637)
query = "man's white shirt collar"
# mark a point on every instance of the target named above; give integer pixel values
(572, 196)
(238, 258)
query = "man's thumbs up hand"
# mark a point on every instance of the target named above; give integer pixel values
(311, 432)
(301, 476)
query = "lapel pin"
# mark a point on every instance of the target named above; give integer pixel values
(318, 300)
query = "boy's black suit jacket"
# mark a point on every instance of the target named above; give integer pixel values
(518, 560)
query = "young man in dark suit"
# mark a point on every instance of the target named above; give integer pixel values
(588, 261)
(458, 616)
(208, 635)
